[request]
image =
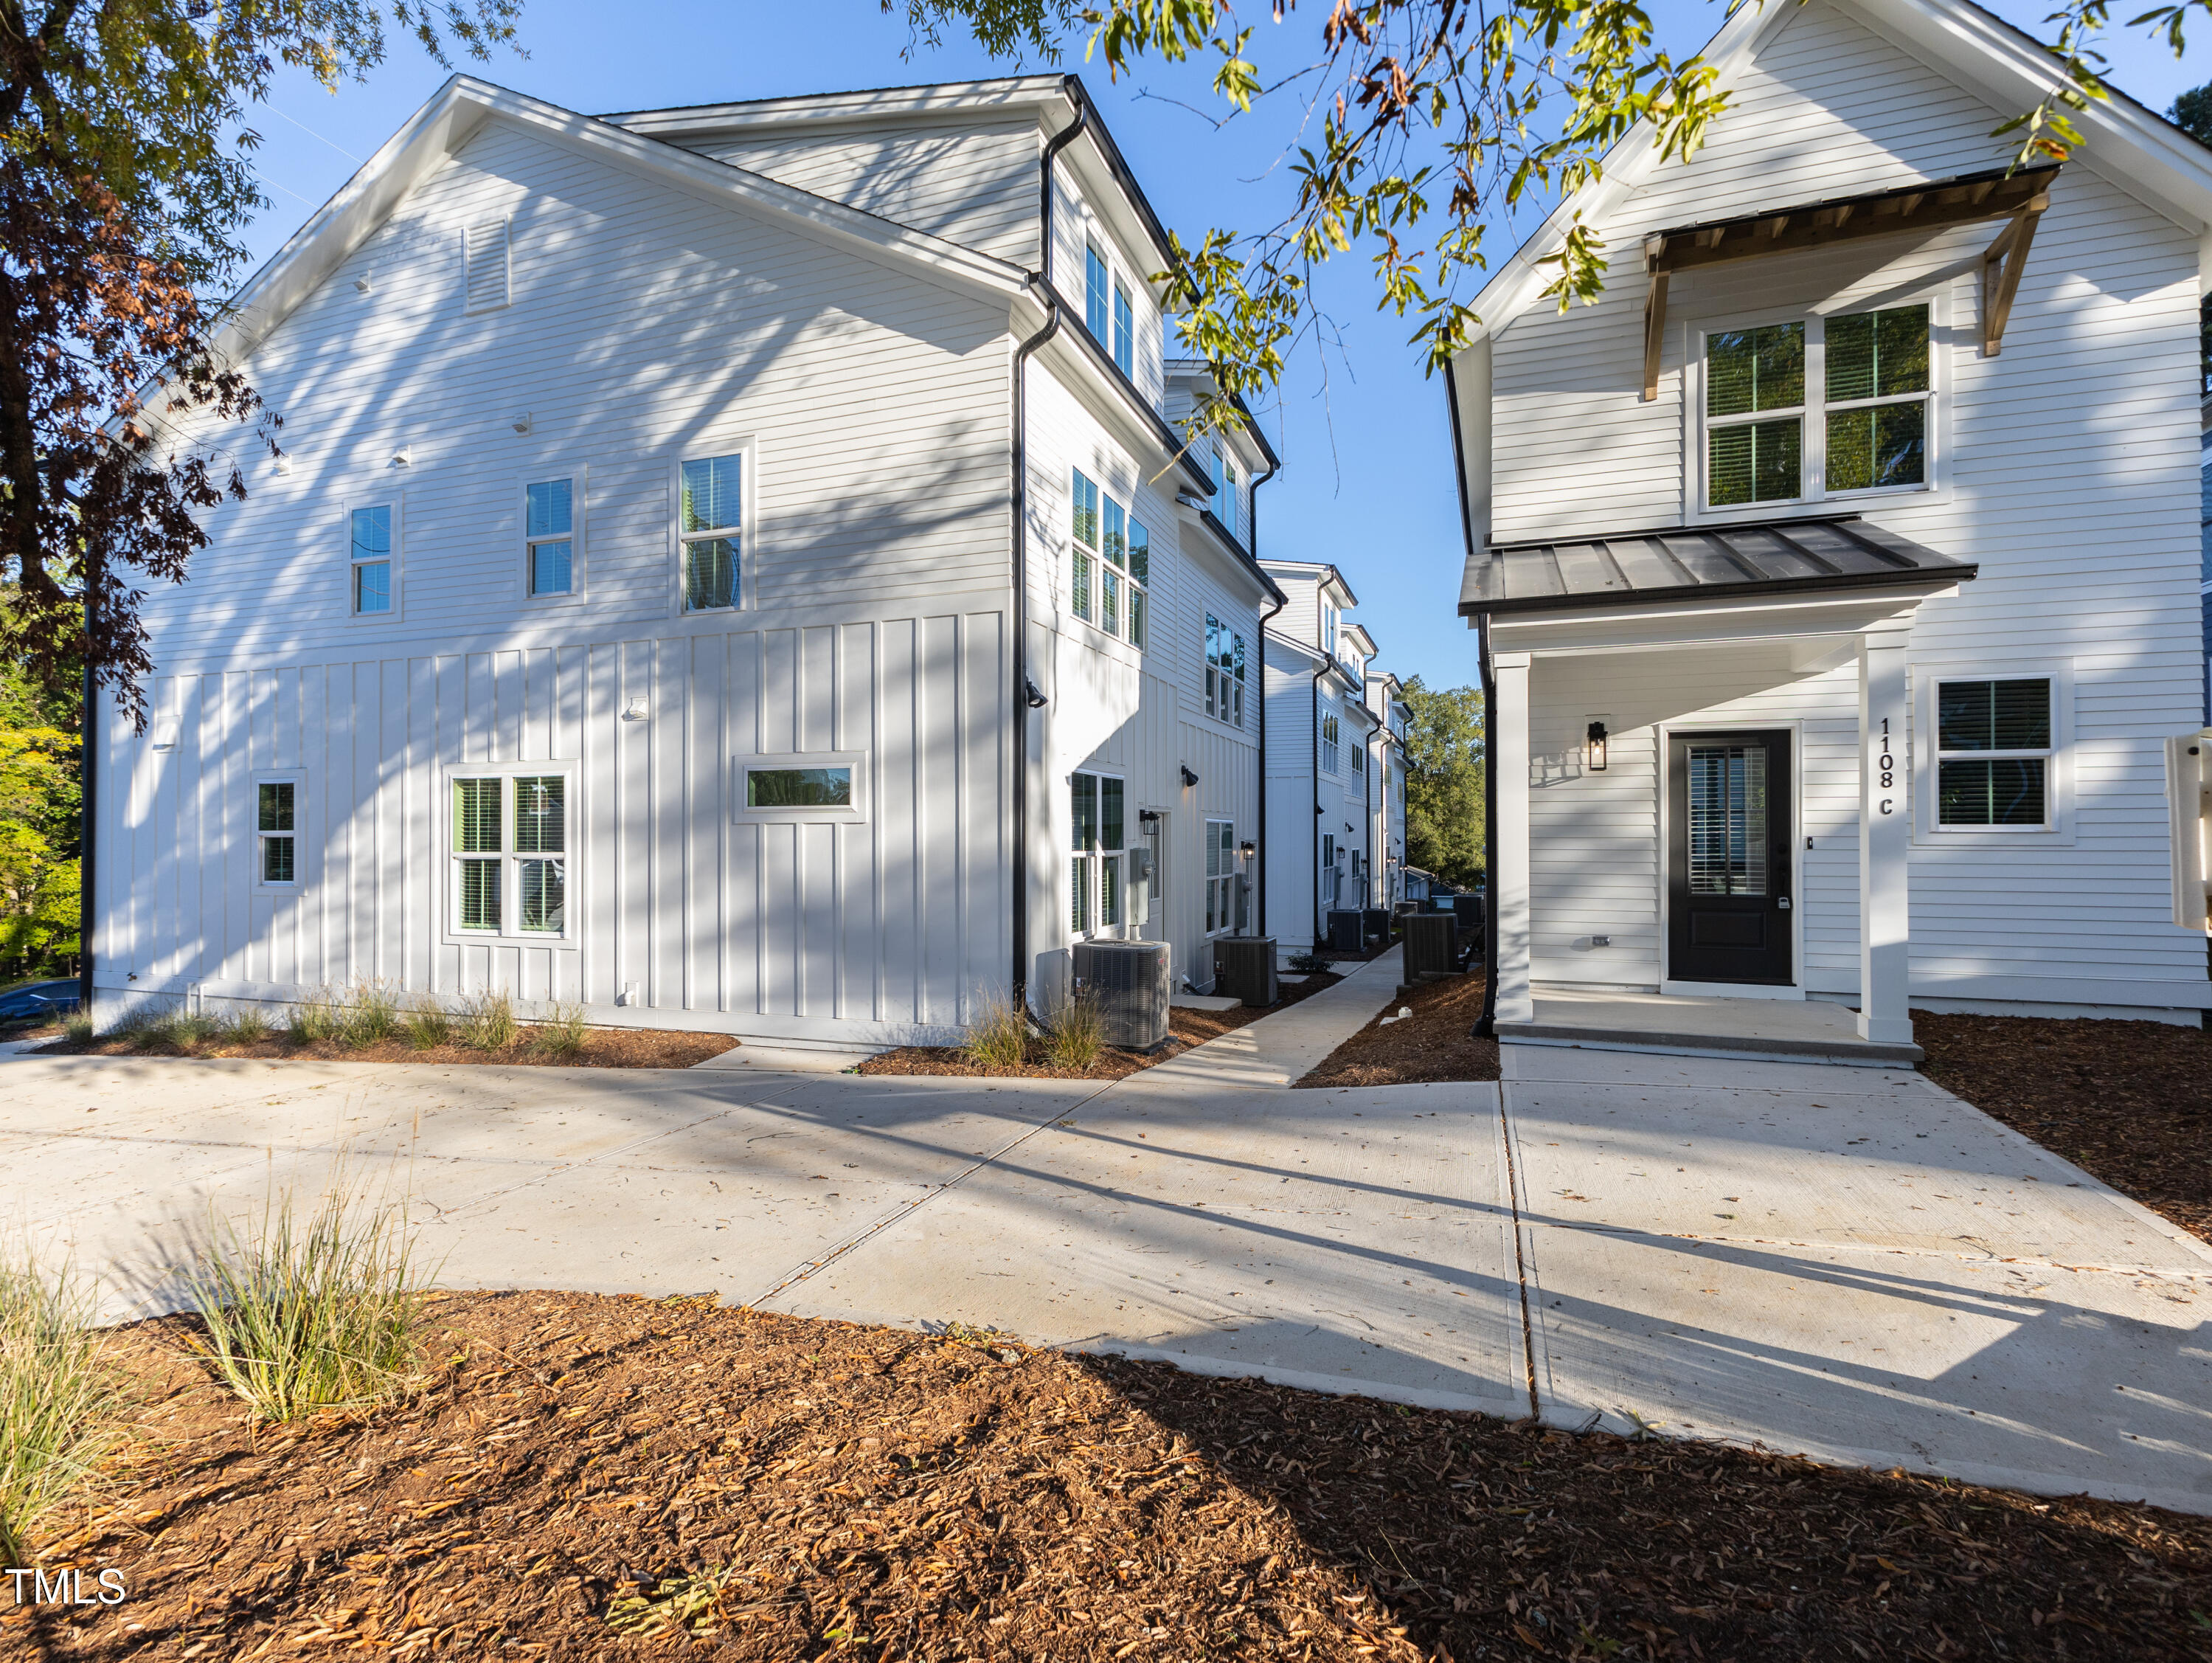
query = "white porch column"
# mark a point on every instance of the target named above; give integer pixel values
(1885, 841)
(1508, 862)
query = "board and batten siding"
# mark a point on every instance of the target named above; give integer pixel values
(2067, 471)
(878, 927)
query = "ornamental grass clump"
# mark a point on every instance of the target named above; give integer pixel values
(61, 1397)
(564, 1034)
(247, 1027)
(317, 1018)
(488, 1022)
(368, 1013)
(1078, 1039)
(313, 1313)
(999, 1038)
(427, 1023)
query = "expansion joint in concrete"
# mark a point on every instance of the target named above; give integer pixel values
(1520, 1257)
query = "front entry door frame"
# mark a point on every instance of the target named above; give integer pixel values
(1667, 734)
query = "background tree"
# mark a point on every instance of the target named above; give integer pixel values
(124, 188)
(1444, 786)
(39, 803)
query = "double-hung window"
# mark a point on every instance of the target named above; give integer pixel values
(1329, 731)
(1140, 574)
(510, 855)
(1220, 875)
(711, 527)
(1096, 903)
(1125, 331)
(1993, 753)
(1360, 758)
(549, 537)
(1097, 298)
(1224, 673)
(277, 818)
(1083, 564)
(1805, 411)
(369, 540)
(1115, 541)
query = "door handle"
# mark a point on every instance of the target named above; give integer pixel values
(1783, 902)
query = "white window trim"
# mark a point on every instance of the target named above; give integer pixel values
(804, 813)
(397, 502)
(1816, 499)
(2058, 831)
(579, 495)
(1227, 707)
(1098, 477)
(747, 531)
(1124, 930)
(449, 912)
(1228, 879)
(1663, 815)
(297, 779)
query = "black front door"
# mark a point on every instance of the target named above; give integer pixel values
(1728, 857)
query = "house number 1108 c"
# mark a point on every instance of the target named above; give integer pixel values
(1888, 765)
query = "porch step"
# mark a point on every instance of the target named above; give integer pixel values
(1811, 1031)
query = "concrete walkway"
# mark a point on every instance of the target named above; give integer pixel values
(1843, 1261)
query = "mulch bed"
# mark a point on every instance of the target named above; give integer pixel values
(772, 1488)
(603, 1048)
(1187, 1027)
(2131, 1102)
(1433, 1043)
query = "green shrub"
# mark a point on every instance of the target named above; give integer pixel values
(428, 1024)
(488, 1021)
(999, 1038)
(564, 1034)
(1077, 1038)
(247, 1026)
(317, 1018)
(1308, 964)
(313, 1313)
(61, 1397)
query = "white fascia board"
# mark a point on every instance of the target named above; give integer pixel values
(459, 110)
(870, 103)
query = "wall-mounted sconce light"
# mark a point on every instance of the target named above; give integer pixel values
(1247, 849)
(403, 457)
(1189, 779)
(1148, 820)
(637, 709)
(1596, 736)
(362, 283)
(520, 421)
(164, 736)
(1033, 694)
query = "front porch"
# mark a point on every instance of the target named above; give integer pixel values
(1703, 807)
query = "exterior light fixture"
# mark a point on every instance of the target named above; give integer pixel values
(1189, 779)
(1148, 820)
(1247, 849)
(1596, 736)
(1031, 695)
(637, 709)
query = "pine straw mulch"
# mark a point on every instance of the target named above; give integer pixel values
(603, 1048)
(1187, 1027)
(1434, 1043)
(2129, 1102)
(767, 1487)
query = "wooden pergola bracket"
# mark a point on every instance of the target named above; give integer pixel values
(2001, 267)
(1654, 333)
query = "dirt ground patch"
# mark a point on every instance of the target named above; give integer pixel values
(603, 1048)
(787, 1489)
(1187, 1027)
(1434, 1043)
(2131, 1102)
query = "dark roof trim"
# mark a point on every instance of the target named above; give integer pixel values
(1959, 200)
(1675, 564)
(1072, 87)
(1243, 555)
(1173, 444)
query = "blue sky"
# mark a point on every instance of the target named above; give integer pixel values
(1367, 477)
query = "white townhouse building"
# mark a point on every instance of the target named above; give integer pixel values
(1836, 573)
(732, 568)
(1320, 750)
(1386, 767)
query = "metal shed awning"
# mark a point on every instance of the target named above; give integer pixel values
(1699, 563)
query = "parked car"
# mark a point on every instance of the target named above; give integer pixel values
(37, 999)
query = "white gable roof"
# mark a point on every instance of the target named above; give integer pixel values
(460, 109)
(2124, 142)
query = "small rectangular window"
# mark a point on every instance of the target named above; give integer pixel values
(1097, 836)
(1095, 299)
(1993, 742)
(798, 788)
(369, 540)
(488, 268)
(549, 536)
(1329, 744)
(1220, 875)
(277, 828)
(1125, 331)
(1877, 398)
(711, 526)
(1754, 414)
(1083, 560)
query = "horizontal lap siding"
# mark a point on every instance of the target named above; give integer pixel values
(2070, 477)
(890, 920)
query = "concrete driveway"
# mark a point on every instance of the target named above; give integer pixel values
(1844, 1261)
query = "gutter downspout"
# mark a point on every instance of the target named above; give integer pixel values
(1328, 663)
(1023, 687)
(88, 817)
(1485, 1026)
(1260, 878)
(1367, 805)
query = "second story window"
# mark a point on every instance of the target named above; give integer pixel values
(369, 537)
(1125, 331)
(1804, 410)
(1329, 731)
(549, 536)
(1224, 673)
(711, 528)
(1328, 629)
(1082, 565)
(1097, 298)
(1359, 759)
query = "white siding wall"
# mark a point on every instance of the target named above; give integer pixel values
(1074, 222)
(646, 326)
(2068, 475)
(969, 180)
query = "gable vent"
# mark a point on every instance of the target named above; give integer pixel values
(485, 244)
